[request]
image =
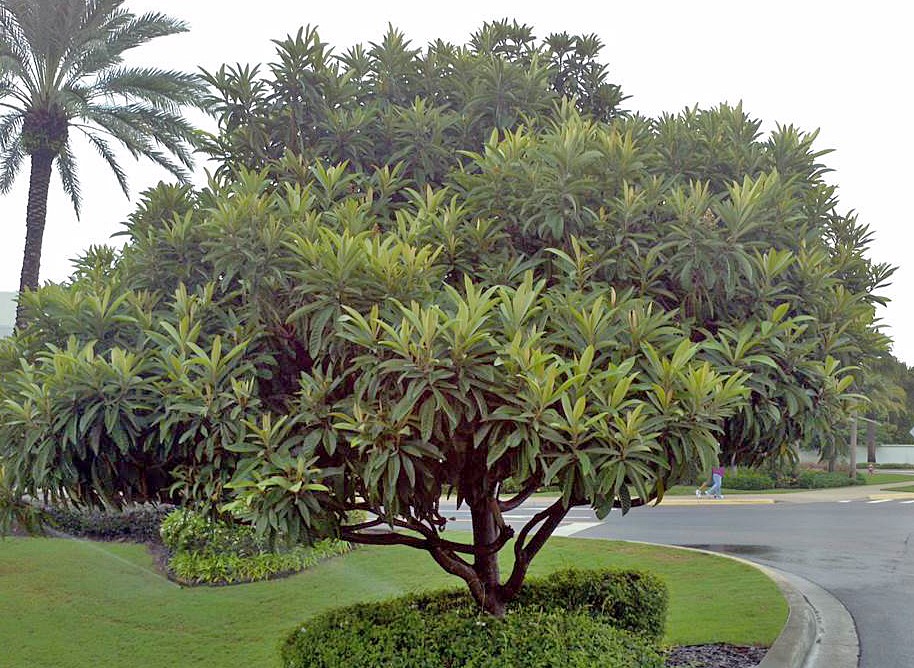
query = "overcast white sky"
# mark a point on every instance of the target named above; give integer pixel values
(841, 67)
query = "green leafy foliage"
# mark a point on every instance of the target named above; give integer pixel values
(753, 479)
(495, 285)
(221, 568)
(573, 618)
(393, 104)
(203, 550)
(749, 479)
(811, 479)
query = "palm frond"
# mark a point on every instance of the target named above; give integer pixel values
(122, 33)
(12, 96)
(130, 122)
(16, 60)
(107, 154)
(66, 56)
(162, 89)
(10, 125)
(69, 179)
(142, 29)
(10, 162)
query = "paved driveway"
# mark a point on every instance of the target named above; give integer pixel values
(856, 543)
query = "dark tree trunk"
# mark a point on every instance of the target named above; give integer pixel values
(485, 564)
(36, 214)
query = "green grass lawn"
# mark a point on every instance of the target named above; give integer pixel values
(906, 488)
(80, 604)
(887, 478)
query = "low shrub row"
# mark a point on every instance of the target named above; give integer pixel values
(208, 567)
(753, 479)
(749, 479)
(812, 479)
(208, 551)
(578, 619)
(138, 523)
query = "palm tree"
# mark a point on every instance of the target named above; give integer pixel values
(62, 74)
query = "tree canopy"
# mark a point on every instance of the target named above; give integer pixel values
(568, 295)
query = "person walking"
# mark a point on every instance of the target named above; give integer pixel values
(717, 480)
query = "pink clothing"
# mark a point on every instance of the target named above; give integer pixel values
(718, 470)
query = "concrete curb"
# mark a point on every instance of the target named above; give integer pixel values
(688, 501)
(819, 633)
(893, 496)
(798, 636)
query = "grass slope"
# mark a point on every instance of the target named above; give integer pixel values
(80, 604)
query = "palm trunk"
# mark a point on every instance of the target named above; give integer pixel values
(36, 214)
(871, 442)
(852, 450)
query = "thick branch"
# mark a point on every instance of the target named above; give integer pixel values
(430, 539)
(384, 538)
(363, 525)
(550, 519)
(524, 551)
(528, 490)
(457, 566)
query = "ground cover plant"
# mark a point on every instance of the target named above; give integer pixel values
(205, 550)
(81, 604)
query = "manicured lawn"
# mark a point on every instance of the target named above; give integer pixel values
(906, 488)
(887, 478)
(78, 604)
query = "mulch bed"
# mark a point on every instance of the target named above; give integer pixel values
(715, 656)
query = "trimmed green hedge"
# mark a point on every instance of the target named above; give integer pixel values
(811, 479)
(578, 619)
(749, 479)
(139, 523)
(752, 479)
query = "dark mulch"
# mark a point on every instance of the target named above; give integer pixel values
(715, 656)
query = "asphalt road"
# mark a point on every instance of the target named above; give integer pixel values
(859, 551)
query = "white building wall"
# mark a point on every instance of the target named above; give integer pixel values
(885, 454)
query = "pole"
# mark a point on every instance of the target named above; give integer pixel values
(852, 455)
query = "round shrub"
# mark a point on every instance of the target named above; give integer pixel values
(628, 600)
(534, 638)
(570, 618)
